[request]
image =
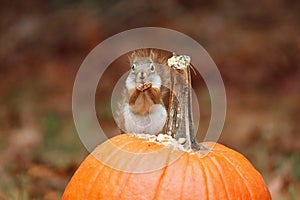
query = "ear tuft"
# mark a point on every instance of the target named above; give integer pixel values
(133, 54)
(152, 55)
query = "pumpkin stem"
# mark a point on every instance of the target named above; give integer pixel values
(180, 123)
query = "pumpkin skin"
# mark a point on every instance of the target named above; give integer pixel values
(221, 174)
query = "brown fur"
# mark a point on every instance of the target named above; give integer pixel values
(141, 102)
(154, 55)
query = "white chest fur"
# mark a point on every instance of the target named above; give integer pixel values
(152, 123)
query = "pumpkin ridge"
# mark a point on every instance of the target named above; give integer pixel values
(129, 175)
(210, 175)
(122, 184)
(205, 178)
(226, 165)
(184, 171)
(120, 145)
(140, 151)
(257, 181)
(111, 154)
(90, 186)
(239, 173)
(95, 177)
(216, 164)
(163, 174)
(194, 179)
(111, 170)
(110, 174)
(98, 175)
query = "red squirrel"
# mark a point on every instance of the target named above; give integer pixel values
(142, 109)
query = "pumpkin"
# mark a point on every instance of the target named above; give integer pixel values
(221, 174)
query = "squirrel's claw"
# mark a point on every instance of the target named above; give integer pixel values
(142, 87)
(139, 87)
(147, 85)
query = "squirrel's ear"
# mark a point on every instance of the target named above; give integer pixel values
(152, 54)
(133, 54)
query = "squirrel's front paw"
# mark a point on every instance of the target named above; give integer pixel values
(147, 85)
(139, 87)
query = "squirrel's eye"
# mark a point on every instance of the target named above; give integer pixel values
(152, 68)
(133, 67)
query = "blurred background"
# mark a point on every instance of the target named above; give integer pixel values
(255, 45)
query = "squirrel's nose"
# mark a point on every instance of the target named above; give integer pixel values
(142, 76)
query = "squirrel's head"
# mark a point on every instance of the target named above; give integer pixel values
(143, 70)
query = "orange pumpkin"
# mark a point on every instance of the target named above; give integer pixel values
(222, 174)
